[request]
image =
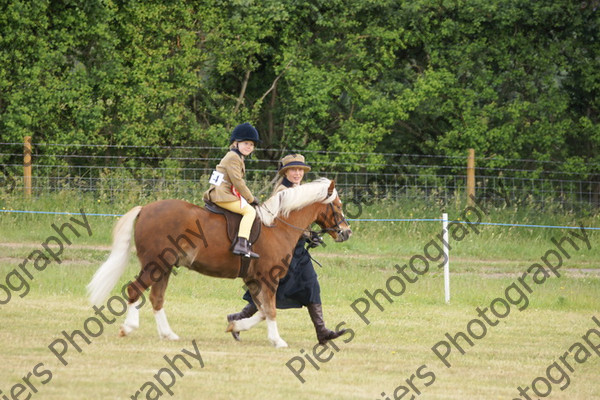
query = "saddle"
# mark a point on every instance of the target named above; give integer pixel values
(233, 222)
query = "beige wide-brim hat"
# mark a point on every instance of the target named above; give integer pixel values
(292, 161)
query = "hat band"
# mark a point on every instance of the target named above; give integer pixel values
(295, 163)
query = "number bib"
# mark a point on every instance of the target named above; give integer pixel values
(216, 178)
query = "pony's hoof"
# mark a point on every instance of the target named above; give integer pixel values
(235, 333)
(169, 336)
(125, 330)
(230, 326)
(280, 344)
(236, 336)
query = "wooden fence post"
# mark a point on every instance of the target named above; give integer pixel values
(471, 177)
(27, 167)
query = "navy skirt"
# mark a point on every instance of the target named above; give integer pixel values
(300, 286)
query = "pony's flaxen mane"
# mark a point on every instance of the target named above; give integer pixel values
(282, 203)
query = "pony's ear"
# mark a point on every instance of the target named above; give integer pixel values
(331, 187)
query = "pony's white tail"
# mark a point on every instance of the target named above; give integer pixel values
(109, 273)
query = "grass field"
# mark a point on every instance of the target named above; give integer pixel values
(390, 357)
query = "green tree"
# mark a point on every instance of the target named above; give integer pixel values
(513, 79)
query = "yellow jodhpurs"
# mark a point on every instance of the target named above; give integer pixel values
(248, 214)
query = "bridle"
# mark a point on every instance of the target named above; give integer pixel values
(337, 228)
(312, 234)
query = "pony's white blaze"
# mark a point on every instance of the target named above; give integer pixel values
(164, 330)
(109, 273)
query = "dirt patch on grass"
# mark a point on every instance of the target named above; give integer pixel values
(459, 265)
(34, 245)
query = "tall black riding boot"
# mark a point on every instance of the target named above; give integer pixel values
(246, 312)
(243, 248)
(315, 311)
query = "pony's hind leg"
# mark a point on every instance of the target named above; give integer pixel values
(157, 298)
(132, 321)
(136, 299)
(135, 294)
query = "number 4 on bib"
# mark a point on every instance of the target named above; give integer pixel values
(216, 178)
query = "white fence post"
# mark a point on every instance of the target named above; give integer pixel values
(447, 257)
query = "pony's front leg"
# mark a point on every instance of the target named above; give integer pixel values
(248, 323)
(273, 334)
(265, 301)
(270, 314)
(245, 324)
(164, 329)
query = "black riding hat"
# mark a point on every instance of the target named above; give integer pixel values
(243, 132)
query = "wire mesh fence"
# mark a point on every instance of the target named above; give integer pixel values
(114, 171)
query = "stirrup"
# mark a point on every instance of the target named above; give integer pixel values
(242, 248)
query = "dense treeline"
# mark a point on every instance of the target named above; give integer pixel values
(510, 78)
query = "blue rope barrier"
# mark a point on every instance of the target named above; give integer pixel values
(349, 219)
(478, 223)
(59, 213)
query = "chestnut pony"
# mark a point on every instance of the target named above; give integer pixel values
(176, 233)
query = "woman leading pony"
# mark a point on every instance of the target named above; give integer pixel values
(300, 287)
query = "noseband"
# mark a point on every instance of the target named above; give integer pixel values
(337, 228)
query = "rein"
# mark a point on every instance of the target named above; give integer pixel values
(309, 231)
(304, 230)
